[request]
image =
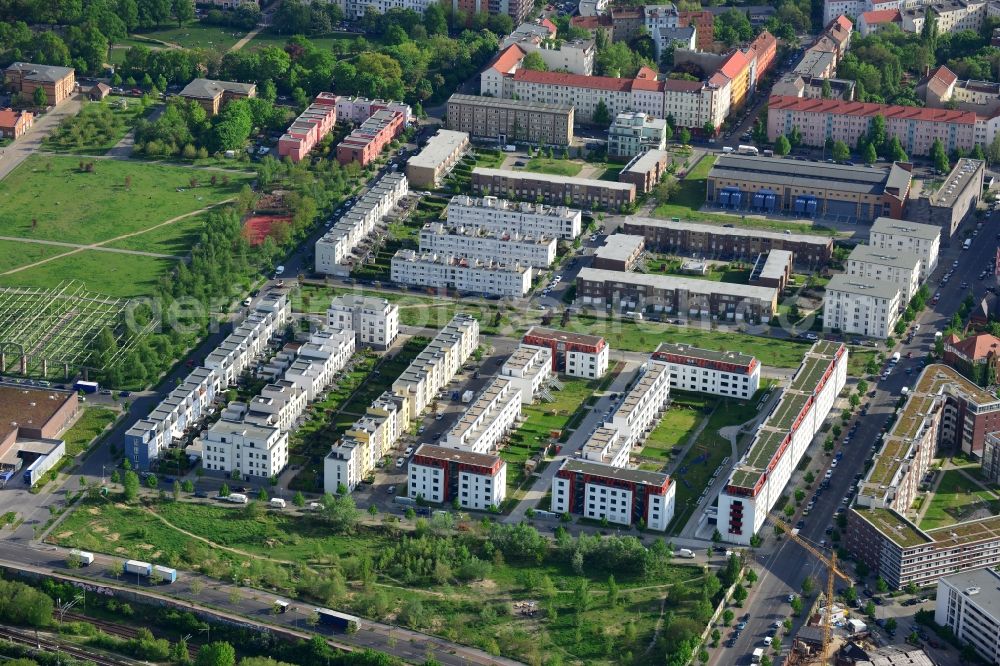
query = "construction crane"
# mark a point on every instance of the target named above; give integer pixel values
(832, 570)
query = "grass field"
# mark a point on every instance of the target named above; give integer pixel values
(111, 274)
(195, 36)
(555, 166)
(733, 273)
(97, 128)
(78, 207)
(956, 497)
(90, 424)
(16, 253)
(676, 426)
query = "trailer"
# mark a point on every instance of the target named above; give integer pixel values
(280, 606)
(84, 558)
(237, 498)
(342, 621)
(277, 503)
(166, 574)
(86, 387)
(138, 568)
(747, 150)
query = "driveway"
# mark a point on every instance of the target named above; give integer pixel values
(21, 149)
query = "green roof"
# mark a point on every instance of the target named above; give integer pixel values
(788, 410)
(901, 531)
(765, 447)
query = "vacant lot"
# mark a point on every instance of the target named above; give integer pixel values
(16, 253)
(51, 198)
(958, 498)
(97, 128)
(90, 424)
(576, 616)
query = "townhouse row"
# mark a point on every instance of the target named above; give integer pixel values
(309, 128)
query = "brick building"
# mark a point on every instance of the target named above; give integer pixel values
(26, 77)
(211, 95)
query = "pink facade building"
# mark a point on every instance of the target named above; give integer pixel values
(366, 142)
(916, 127)
(309, 128)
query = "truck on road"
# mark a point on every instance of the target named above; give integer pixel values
(82, 557)
(756, 655)
(342, 621)
(86, 387)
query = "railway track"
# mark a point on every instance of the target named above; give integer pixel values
(47, 645)
(119, 630)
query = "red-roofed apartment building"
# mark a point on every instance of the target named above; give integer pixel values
(871, 22)
(977, 357)
(916, 127)
(761, 52)
(737, 69)
(495, 78)
(15, 123)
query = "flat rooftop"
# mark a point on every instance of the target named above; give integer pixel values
(620, 247)
(456, 455)
(518, 105)
(599, 469)
(775, 264)
(887, 225)
(439, 148)
(551, 178)
(719, 230)
(672, 282)
(985, 582)
(898, 529)
(210, 89)
(960, 179)
(28, 406)
(885, 257)
(698, 354)
(862, 286)
(647, 161)
(563, 336)
(800, 174)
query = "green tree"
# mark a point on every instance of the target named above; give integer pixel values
(740, 595)
(218, 653)
(177, 490)
(299, 499)
(868, 154)
(130, 486)
(339, 511)
(435, 20)
(262, 495)
(151, 481)
(870, 609)
(795, 137)
(895, 153)
(533, 60)
(782, 146)
(39, 97)
(188, 486)
(224, 490)
(727, 617)
(183, 11)
(601, 114)
(850, 595)
(826, 91)
(881, 585)
(796, 605)
(939, 156)
(890, 625)
(840, 152)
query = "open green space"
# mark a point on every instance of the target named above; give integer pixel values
(958, 498)
(265, 38)
(97, 128)
(553, 166)
(695, 470)
(108, 273)
(426, 578)
(611, 172)
(16, 253)
(735, 273)
(195, 36)
(51, 198)
(676, 426)
(91, 423)
(174, 239)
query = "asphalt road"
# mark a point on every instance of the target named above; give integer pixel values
(784, 567)
(11, 156)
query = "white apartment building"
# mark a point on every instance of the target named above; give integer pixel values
(437, 364)
(375, 321)
(478, 243)
(511, 217)
(479, 276)
(586, 364)
(320, 359)
(488, 419)
(641, 408)
(634, 133)
(438, 474)
(899, 267)
(728, 374)
(334, 249)
(278, 405)
(371, 437)
(574, 56)
(620, 496)
(924, 240)
(968, 603)
(663, 26)
(834, 8)
(951, 15)
(256, 451)
(528, 369)
(861, 306)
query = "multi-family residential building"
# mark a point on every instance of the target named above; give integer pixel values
(575, 56)
(968, 603)
(809, 189)
(991, 455)
(642, 93)
(320, 359)
(375, 321)
(518, 10)
(506, 121)
(759, 479)
(917, 128)
(898, 267)
(620, 496)
(943, 409)
(645, 170)
(529, 370)
(704, 24)
(334, 250)
(954, 202)
(437, 364)
(663, 25)
(977, 357)
(255, 451)
(501, 216)
(13, 124)
(355, 9)
(428, 168)
(366, 142)
(309, 128)
(489, 277)
(484, 244)
(487, 420)
(211, 95)
(861, 306)
(554, 190)
(355, 456)
(615, 291)
(278, 405)
(950, 15)
(495, 80)
(772, 269)
(728, 243)
(874, 21)
(26, 77)
(359, 109)
(620, 252)
(635, 416)
(729, 374)
(573, 354)
(634, 133)
(923, 240)
(441, 475)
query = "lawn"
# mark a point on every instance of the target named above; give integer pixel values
(174, 239)
(735, 273)
(108, 273)
(956, 499)
(553, 166)
(15, 253)
(97, 128)
(696, 468)
(472, 612)
(195, 36)
(90, 424)
(75, 206)
(676, 426)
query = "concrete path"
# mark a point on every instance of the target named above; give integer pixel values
(243, 42)
(12, 155)
(39, 241)
(100, 246)
(543, 483)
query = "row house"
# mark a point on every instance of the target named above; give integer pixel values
(483, 244)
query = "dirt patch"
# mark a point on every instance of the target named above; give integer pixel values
(487, 585)
(112, 537)
(157, 554)
(120, 550)
(94, 511)
(146, 546)
(99, 529)
(64, 535)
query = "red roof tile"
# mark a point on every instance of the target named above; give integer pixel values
(10, 118)
(840, 107)
(590, 22)
(844, 22)
(508, 58)
(765, 41)
(881, 16)
(574, 80)
(551, 26)
(977, 346)
(734, 65)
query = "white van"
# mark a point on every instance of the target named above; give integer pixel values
(967, 244)
(685, 553)
(83, 557)
(277, 503)
(727, 149)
